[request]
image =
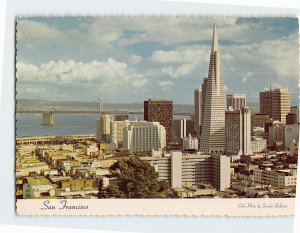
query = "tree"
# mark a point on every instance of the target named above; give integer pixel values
(135, 178)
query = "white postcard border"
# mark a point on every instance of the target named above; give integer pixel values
(178, 207)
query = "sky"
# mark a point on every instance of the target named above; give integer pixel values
(131, 59)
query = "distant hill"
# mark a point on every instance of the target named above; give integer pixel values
(24, 105)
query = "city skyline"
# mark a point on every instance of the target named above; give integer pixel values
(138, 61)
(224, 156)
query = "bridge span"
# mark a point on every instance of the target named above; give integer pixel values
(177, 113)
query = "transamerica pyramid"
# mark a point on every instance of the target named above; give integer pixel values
(212, 139)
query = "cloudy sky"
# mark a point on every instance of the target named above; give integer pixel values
(131, 59)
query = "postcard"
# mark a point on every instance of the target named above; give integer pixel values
(132, 115)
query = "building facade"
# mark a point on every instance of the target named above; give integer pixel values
(276, 103)
(291, 133)
(160, 111)
(103, 124)
(198, 112)
(144, 137)
(182, 128)
(103, 128)
(276, 135)
(258, 145)
(193, 169)
(190, 143)
(236, 101)
(116, 132)
(291, 119)
(213, 126)
(276, 178)
(260, 120)
(296, 110)
(238, 132)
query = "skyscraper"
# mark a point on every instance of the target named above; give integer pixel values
(160, 111)
(198, 111)
(238, 132)
(103, 124)
(296, 110)
(236, 101)
(213, 127)
(276, 103)
(99, 121)
(204, 85)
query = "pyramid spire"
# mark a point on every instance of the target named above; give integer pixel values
(212, 138)
(215, 43)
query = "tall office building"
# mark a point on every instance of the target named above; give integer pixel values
(276, 103)
(260, 120)
(291, 119)
(238, 132)
(160, 111)
(236, 101)
(204, 86)
(296, 110)
(198, 112)
(182, 128)
(213, 127)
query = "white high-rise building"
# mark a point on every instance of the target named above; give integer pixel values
(116, 131)
(238, 132)
(198, 112)
(144, 136)
(213, 126)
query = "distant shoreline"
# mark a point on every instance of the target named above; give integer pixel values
(96, 112)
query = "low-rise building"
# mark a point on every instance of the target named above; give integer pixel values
(37, 187)
(277, 178)
(258, 145)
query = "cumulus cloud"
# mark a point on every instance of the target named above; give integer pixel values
(167, 56)
(165, 85)
(182, 55)
(254, 53)
(182, 70)
(134, 59)
(139, 82)
(246, 76)
(66, 72)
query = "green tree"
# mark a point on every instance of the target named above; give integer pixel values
(135, 178)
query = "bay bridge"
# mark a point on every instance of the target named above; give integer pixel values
(113, 112)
